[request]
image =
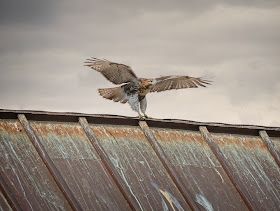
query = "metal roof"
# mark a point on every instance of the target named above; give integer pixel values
(72, 161)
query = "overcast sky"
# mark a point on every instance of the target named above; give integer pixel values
(43, 45)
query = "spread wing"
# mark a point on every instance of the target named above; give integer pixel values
(114, 72)
(178, 82)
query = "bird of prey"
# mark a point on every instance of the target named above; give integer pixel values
(133, 89)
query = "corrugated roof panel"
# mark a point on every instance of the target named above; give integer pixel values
(199, 169)
(140, 168)
(255, 167)
(80, 166)
(25, 173)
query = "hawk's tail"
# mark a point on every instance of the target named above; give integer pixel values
(116, 94)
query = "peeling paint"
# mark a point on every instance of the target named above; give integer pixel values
(204, 202)
(169, 197)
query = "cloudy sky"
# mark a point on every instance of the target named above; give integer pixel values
(43, 45)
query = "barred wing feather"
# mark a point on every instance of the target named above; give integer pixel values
(114, 72)
(178, 82)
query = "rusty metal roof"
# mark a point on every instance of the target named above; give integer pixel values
(73, 161)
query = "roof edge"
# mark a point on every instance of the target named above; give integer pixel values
(133, 121)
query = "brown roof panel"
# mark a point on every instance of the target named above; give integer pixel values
(139, 166)
(72, 161)
(4, 205)
(199, 169)
(255, 167)
(79, 165)
(25, 173)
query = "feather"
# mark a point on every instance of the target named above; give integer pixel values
(114, 72)
(116, 94)
(177, 82)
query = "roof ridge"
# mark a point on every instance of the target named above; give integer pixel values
(151, 120)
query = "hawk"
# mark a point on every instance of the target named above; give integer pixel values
(133, 89)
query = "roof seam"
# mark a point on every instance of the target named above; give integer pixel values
(270, 146)
(227, 168)
(9, 196)
(49, 164)
(168, 166)
(108, 164)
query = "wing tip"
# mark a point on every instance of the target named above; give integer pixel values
(205, 80)
(94, 63)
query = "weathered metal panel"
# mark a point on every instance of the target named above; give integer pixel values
(270, 146)
(276, 142)
(4, 205)
(75, 158)
(168, 166)
(255, 167)
(199, 169)
(8, 195)
(31, 186)
(133, 121)
(109, 165)
(228, 169)
(49, 164)
(140, 168)
(25, 173)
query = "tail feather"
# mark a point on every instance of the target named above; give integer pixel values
(116, 94)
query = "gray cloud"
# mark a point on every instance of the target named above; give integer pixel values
(26, 12)
(44, 45)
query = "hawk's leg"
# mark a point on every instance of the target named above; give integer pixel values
(133, 101)
(143, 105)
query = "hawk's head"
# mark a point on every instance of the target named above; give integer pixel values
(147, 83)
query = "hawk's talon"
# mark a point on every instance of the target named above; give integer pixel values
(141, 118)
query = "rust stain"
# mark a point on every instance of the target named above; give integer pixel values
(178, 142)
(57, 129)
(167, 135)
(64, 141)
(239, 140)
(119, 132)
(10, 126)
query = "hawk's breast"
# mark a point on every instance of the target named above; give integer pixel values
(130, 88)
(144, 87)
